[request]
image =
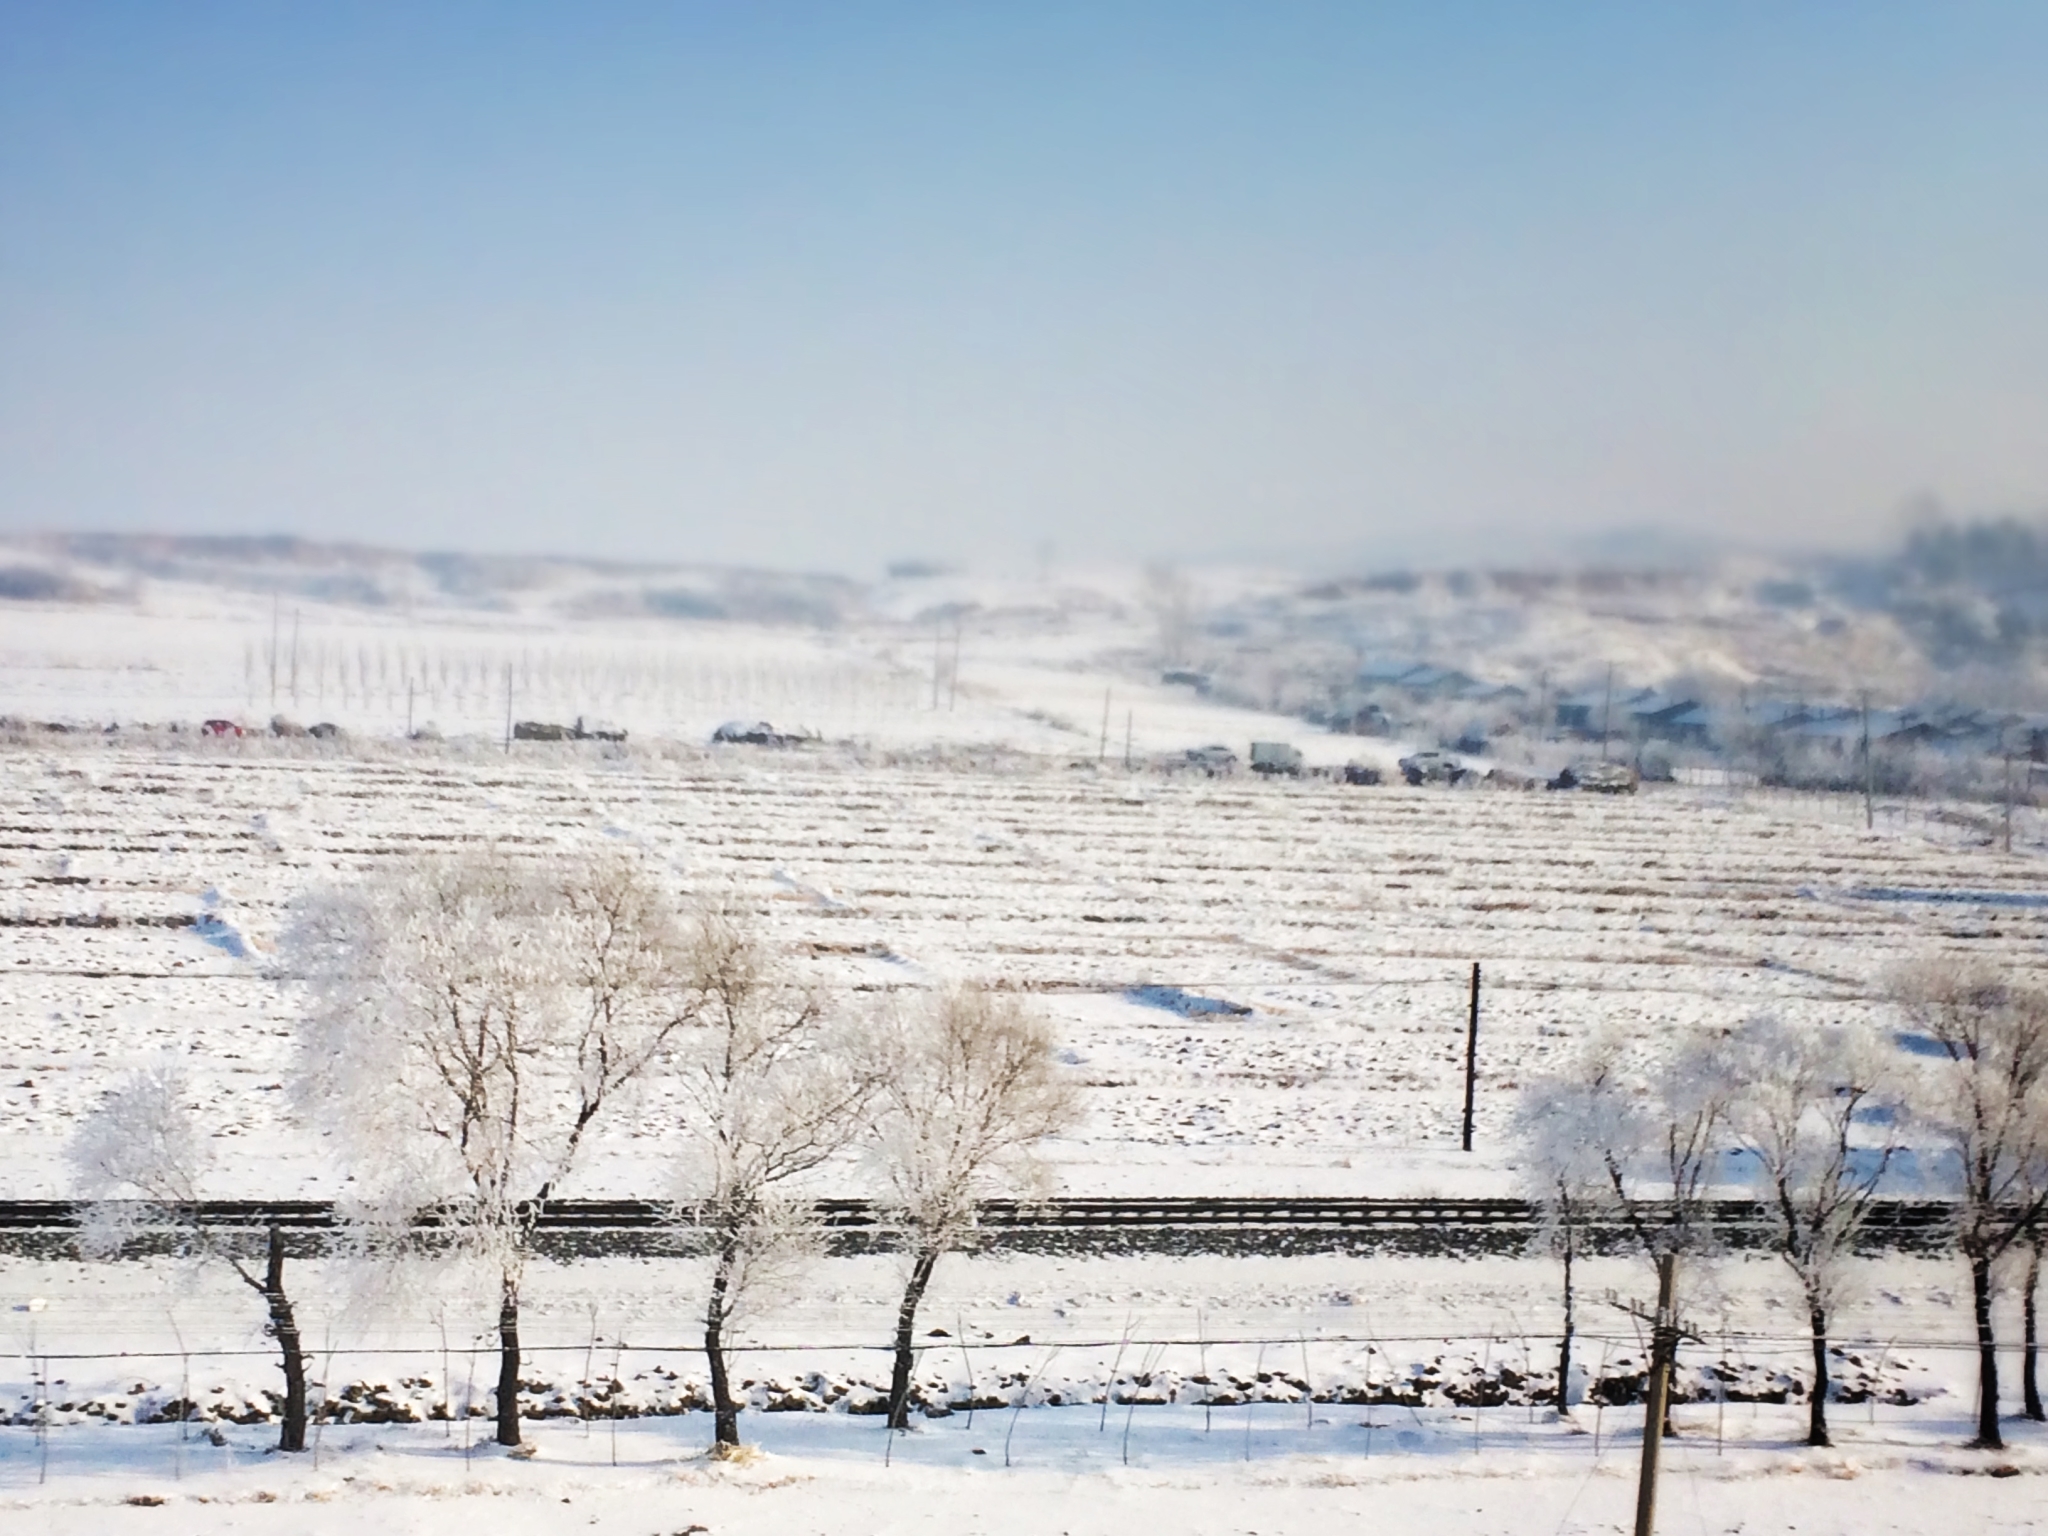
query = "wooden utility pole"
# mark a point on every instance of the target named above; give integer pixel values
(1471, 1055)
(1102, 747)
(953, 672)
(1127, 739)
(1869, 768)
(274, 604)
(2008, 799)
(938, 639)
(1663, 1345)
(508, 709)
(1606, 712)
(295, 658)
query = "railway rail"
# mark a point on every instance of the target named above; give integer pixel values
(1183, 1224)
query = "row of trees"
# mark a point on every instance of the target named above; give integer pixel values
(476, 1023)
(1640, 1135)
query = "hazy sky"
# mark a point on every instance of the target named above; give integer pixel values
(826, 285)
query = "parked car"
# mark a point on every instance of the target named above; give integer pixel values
(1434, 767)
(1598, 778)
(753, 733)
(1212, 760)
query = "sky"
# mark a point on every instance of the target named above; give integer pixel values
(827, 286)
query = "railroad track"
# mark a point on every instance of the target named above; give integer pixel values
(1186, 1224)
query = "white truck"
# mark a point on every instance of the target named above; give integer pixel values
(1276, 757)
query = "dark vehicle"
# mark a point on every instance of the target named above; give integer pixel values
(1434, 768)
(753, 733)
(1598, 778)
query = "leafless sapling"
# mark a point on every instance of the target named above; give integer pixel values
(1807, 1096)
(768, 1092)
(1986, 1092)
(472, 1020)
(143, 1140)
(1660, 1134)
(1566, 1127)
(967, 1083)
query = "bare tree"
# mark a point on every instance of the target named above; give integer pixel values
(1572, 1126)
(1987, 1093)
(966, 1085)
(472, 1020)
(142, 1137)
(1802, 1094)
(1660, 1142)
(769, 1093)
(1675, 1137)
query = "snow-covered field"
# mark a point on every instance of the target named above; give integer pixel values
(144, 888)
(143, 880)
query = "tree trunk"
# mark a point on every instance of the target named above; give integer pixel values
(906, 1328)
(2030, 1385)
(284, 1327)
(725, 1412)
(1817, 1404)
(1988, 1437)
(1564, 1350)
(508, 1362)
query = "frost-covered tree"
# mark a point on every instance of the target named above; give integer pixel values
(472, 1020)
(1571, 1127)
(769, 1089)
(967, 1083)
(1658, 1130)
(1660, 1126)
(142, 1141)
(1802, 1095)
(1986, 1092)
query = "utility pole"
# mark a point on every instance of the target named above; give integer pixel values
(1102, 747)
(295, 658)
(1471, 1055)
(1606, 712)
(408, 709)
(1869, 768)
(508, 709)
(2008, 799)
(274, 601)
(953, 672)
(1127, 739)
(938, 639)
(1664, 1344)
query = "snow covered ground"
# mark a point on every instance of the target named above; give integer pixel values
(144, 886)
(143, 879)
(1257, 1474)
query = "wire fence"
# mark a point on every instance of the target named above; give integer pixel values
(1271, 1393)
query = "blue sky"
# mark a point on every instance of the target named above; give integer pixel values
(822, 286)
